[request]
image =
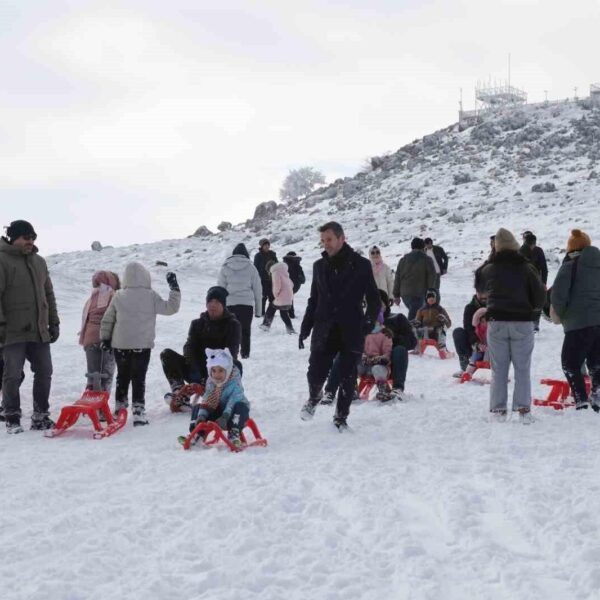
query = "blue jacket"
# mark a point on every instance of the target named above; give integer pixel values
(231, 394)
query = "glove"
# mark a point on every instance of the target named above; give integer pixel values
(54, 332)
(223, 420)
(172, 281)
(2, 334)
(106, 345)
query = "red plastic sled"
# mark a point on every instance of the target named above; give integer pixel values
(443, 352)
(480, 364)
(213, 434)
(559, 397)
(366, 384)
(90, 403)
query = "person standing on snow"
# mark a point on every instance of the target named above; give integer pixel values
(283, 297)
(243, 283)
(128, 328)
(384, 276)
(414, 276)
(576, 300)
(261, 258)
(537, 258)
(334, 314)
(292, 260)
(29, 323)
(515, 296)
(440, 261)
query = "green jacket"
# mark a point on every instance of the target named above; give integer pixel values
(27, 302)
(415, 275)
(578, 306)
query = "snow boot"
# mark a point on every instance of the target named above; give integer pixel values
(119, 404)
(498, 416)
(308, 410)
(340, 423)
(264, 327)
(582, 405)
(525, 416)
(595, 400)
(13, 425)
(328, 398)
(383, 392)
(291, 331)
(41, 422)
(398, 394)
(234, 437)
(139, 415)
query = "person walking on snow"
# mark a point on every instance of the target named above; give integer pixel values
(515, 296)
(104, 286)
(283, 297)
(384, 276)
(241, 280)
(414, 276)
(29, 323)
(576, 301)
(128, 327)
(296, 272)
(334, 314)
(261, 258)
(440, 261)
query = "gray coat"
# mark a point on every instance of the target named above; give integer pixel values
(241, 279)
(415, 275)
(130, 320)
(27, 302)
(578, 306)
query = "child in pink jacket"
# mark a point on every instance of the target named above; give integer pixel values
(480, 348)
(283, 292)
(377, 359)
(104, 286)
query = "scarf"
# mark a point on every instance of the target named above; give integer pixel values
(213, 399)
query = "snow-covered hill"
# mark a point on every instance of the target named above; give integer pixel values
(422, 500)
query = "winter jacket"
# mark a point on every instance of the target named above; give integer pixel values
(469, 312)
(433, 315)
(260, 262)
(578, 306)
(384, 277)
(130, 320)
(415, 275)
(105, 284)
(241, 279)
(205, 332)
(480, 325)
(231, 394)
(402, 332)
(283, 288)
(513, 287)
(441, 258)
(378, 344)
(339, 285)
(27, 302)
(537, 258)
(295, 270)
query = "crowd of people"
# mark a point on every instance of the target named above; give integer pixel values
(348, 319)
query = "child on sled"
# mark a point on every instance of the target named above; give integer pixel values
(480, 348)
(224, 401)
(432, 320)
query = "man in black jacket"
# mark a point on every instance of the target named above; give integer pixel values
(296, 273)
(440, 261)
(216, 328)
(334, 315)
(531, 251)
(465, 337)
(261, 259)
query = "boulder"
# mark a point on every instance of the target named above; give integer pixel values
(202, 231)
(96, 246)
(547, 186)
(265, 211)
(224, 226)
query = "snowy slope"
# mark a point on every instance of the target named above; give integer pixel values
(424, 500)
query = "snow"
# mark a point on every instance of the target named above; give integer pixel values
(420, 500)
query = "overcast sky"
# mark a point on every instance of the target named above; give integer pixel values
(136, 121)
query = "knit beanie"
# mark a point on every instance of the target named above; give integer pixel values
(263, 242)
(505, 240)
(578, 240)
(220, 357)
(431, 293)
(18, 228)
(217, 293)
(241, 250)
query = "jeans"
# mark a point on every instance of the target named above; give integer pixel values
(413, 303)
(132, 366)
(238, 418)
(38, 355)
(102, 363)
(463, 348)
(580, 346)
(244, 314)
(510, 342)
(399, 366)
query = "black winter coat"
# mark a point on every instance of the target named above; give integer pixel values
(537, 258)
(204, 333)
(402, 332)
(295, 271)
(441, 258)
(470, 310)
(513, 286)
(339, 285)
(260, 262)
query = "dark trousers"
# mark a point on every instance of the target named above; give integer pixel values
(283, 313)
(267, 289)
(399, 366)
(292, 311)
(132, 366)
(244, 315)
(38, 355)
(463, 348)
(579, 346)
(413, 304)
(238, 418)
(320, 363)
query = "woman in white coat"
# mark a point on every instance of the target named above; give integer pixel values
(384, 276)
